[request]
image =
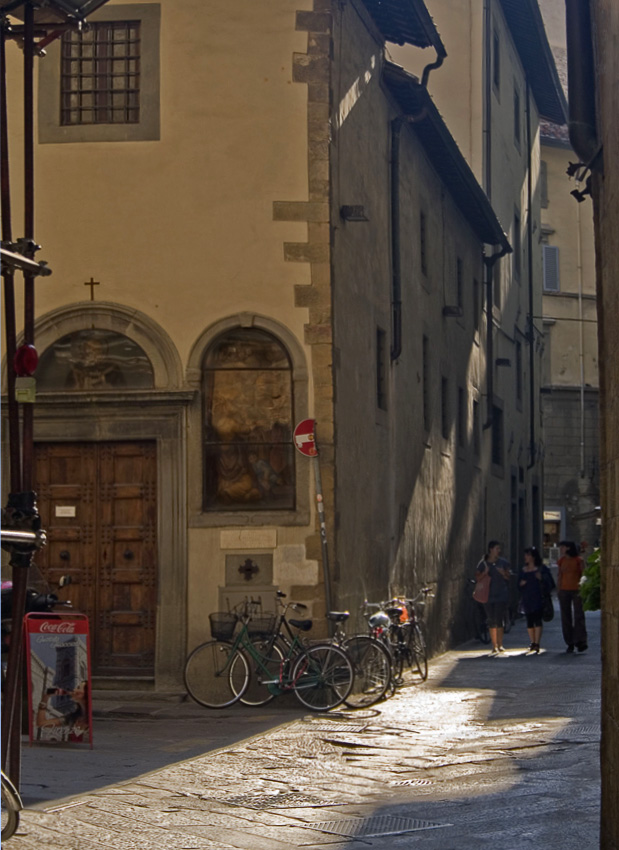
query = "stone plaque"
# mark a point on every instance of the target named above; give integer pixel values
(250, 538)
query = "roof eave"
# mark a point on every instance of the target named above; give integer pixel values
(462, 184)
(537, 61)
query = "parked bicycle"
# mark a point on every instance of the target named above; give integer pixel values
(398, 625)
(217, 673)
(371, 662)
(11, 807)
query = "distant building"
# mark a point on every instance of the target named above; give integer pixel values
(570, 383)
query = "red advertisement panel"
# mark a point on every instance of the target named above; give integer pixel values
(58, 662)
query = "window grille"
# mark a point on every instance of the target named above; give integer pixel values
(100, 74)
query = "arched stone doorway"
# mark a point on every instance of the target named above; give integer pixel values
(110, 448)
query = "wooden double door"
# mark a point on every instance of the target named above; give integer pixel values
(98, 503)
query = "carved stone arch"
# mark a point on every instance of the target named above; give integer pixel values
(246, 320)
(150, 336)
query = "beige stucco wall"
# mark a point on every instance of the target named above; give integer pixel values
(182, 229)
(572, 348)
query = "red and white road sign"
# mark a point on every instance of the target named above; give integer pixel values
(304, 438)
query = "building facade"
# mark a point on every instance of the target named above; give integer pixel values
(497, 84)
(266, 220)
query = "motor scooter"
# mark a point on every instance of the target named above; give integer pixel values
(39, 599)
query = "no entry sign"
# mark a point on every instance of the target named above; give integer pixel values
(304, 438)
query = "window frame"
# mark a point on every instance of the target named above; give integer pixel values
(51, 131)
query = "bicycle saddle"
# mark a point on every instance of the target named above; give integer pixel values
(304, 625)
(338, 616)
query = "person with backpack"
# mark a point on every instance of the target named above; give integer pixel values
(498, 571)
(535, 583)
(571, 567)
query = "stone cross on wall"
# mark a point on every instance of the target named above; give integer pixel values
(249, 569)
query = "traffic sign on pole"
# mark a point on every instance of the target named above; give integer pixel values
(305, 439)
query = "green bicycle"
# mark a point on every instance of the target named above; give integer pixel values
(218, 673)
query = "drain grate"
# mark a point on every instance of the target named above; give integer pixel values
(578, 731)
(412, 783)
(290, 800)
(338, 727)
(375, 826)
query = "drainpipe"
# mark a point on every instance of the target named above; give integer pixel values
(532, 405)
(396, 258)
(489, 264)
(581, 83)
(396, 268)
(581, 342)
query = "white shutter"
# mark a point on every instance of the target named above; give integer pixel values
(551, 268)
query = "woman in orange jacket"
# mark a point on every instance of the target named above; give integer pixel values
(571, 567)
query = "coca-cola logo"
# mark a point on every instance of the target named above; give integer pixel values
(60, 628)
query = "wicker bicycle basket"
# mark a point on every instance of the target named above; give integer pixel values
(261, 626)
(223, 624)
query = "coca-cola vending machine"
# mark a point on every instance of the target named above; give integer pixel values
(58, 660)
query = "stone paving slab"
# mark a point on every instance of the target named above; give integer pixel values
(489, 752)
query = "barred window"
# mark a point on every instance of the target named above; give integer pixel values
(100, 74)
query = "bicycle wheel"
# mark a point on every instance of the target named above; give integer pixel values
(322, 676)
(419, 652)
(264, 667)
(398, 652)
(213, 675)
(10, 815)
(372, 668)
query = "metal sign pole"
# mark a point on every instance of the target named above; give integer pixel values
(304, 438)
(323, 532)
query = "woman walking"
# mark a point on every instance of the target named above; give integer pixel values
(531, 586)
(498, 596)
(571, 567)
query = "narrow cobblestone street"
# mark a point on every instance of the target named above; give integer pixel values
(490, 752)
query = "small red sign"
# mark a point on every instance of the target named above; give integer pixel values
(305, 439)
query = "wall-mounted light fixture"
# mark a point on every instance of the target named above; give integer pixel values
(453, 312)
(355, 212)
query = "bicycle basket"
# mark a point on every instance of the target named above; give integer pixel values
(223, 624)
(261, 626)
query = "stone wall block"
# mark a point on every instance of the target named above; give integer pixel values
(313, 548)
(306, 252)
(306, 296)
(318, 189)
(321, 278)
(319, 231)
(319, 43)
(322, 357)
(308, 68)
(318, 148)
(313, 22)
(300, 211)
(319, 93)
(318, 333)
